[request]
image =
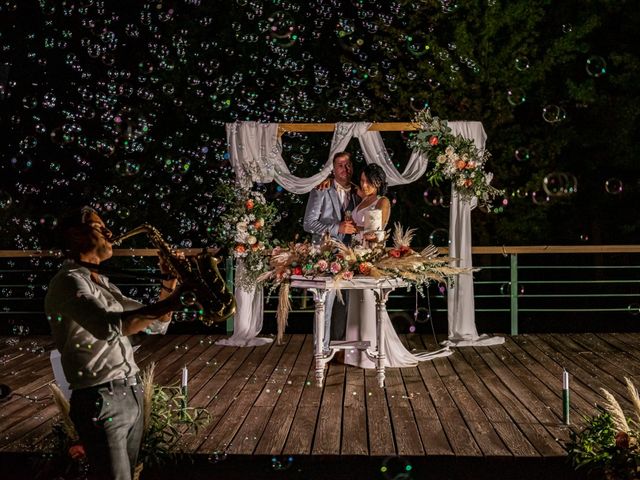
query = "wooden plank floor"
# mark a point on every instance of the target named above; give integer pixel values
(503, 401)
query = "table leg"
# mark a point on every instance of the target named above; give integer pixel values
(319, 297)
(381, 299)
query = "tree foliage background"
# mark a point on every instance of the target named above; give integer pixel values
(122, 105)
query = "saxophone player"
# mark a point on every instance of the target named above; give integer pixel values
(92, 322)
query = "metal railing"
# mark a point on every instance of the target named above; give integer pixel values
(514, 283)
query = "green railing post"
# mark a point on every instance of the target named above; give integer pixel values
(514, 293)
(229, 274)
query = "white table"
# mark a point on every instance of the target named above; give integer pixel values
(319, 286)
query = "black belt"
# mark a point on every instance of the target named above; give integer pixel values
(118, 382)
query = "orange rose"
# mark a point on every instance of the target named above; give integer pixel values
(460, 164)
(240, 248)
(258, 224)
(468, 182)
(622, 440)
(77, 451)
(433, 140)
(249, 204)
(256, 246)
(364, 268)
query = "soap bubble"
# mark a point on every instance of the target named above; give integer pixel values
(553, 114)
(21, 162)
(418, 103)
(396, 468)
(20, 330)
(5, 200)
(558, 184)
(188, 298)
(522, 64)
(522, 154)
(433, 196)
(280, 464)
(516, 96)
(634, 309)
(439, 237)
(613, 186)
(127, 168)
(596, 66)
(417, 45)
(282, 29)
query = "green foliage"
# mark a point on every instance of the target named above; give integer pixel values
(602, 451)
(170, 420)
(246, 228)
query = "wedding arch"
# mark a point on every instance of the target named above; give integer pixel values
(255, 152)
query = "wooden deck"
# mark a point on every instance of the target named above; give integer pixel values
(490, 402)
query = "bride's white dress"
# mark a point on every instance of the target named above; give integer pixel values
(361, 325)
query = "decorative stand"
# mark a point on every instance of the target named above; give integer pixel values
(319, 286)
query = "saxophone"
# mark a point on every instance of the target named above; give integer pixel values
(216, 303)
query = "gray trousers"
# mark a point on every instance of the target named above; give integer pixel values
(109, 422)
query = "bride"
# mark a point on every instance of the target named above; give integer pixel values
(361, 317)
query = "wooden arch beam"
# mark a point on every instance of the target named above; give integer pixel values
(330, 127)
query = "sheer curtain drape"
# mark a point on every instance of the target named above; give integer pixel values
(255, 151)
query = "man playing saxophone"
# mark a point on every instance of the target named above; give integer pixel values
(91, 321)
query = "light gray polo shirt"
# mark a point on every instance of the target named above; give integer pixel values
(85, 319)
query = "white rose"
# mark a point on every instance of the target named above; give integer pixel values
(241, 237)
(449, 151)
(442, 158)
(242, 226)
(251, 239)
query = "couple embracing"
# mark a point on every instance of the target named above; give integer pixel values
(340, 210)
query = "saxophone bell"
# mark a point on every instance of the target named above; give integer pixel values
(207, 290)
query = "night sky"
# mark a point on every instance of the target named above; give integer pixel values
(122, 105)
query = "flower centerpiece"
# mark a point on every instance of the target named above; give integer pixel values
(341, 262)
(246, 229)
(453, 158)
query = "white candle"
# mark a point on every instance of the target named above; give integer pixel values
(565, 397)
(185, 376)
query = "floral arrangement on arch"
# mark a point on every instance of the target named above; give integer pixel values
(246, 229)
(335, 259)
(453, 158)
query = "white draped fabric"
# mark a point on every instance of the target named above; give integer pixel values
(247, 321)
(255, 151)
(460, 302)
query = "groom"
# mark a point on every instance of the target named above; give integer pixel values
(325, 212)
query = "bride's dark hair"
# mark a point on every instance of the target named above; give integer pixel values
(376, 177)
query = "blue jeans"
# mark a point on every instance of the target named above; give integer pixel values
(109, 421)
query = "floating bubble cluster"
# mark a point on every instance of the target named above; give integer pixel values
(123, 105)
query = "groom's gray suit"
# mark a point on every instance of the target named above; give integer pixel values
(324, 213)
